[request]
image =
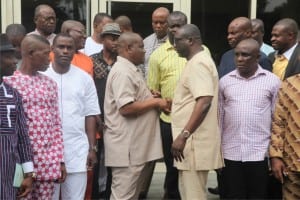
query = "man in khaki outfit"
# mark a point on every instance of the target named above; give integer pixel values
(196, 146)
(132, 136)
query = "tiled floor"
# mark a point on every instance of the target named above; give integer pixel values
(156, 189)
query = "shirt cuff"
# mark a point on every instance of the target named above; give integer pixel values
(27, 167)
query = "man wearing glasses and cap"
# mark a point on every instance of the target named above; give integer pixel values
(102, 63)
(14, 138)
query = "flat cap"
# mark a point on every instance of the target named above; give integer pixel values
(111, 29)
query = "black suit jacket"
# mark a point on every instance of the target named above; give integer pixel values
(293, 66)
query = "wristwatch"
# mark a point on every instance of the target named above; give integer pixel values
(94, 148)
(186, 134)
(30, 174)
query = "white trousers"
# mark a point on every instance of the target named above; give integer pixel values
(73, 188)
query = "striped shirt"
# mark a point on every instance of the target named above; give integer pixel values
(165, 67)
(285, 138)
(245, 113)
(14, 141)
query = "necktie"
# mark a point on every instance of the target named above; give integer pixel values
(280, 65)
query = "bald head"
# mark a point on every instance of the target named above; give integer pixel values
(45, 19)
(159, 21)
(76, 30)
(69, 25)
(240, 28)
(30, 43)
(131, 47)
(35, 54)
(246, 57)
(188, 41)
(124, 23)
(258, 30)
(289, 25)
(161, 11)
(191, 31)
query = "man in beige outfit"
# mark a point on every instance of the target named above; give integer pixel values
(196, 146)
(132, 137)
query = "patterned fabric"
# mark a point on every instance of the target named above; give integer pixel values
(40, 101)
(43, 190)
(14, 141)
(279, 66)
(285, 139)
(245, 110)
(291, 186)
(101, 70)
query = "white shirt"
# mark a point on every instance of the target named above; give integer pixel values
(91, 47)
(77, 99)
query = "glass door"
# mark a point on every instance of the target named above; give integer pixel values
(139, 11)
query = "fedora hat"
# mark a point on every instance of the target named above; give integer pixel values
(5, 44)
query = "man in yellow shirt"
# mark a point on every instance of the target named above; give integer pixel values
(165, 67)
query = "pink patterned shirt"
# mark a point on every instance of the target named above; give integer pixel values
(40, 102)
(245, 113)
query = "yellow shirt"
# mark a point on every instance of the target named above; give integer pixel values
(165, 67)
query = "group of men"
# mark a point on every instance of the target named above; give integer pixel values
(161, 97)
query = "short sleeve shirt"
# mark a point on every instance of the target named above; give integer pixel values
(199, 78)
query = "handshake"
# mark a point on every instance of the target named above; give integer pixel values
(163, 105)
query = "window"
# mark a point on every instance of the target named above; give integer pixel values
(139, 13)
(213, 17)
(270, 11)
(64, 9)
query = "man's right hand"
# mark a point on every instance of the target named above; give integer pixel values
(26, 186)
(278, 168)
(165, 105)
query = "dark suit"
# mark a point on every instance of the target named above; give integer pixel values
(293, 66)
(227, 63)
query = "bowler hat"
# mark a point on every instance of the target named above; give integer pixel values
(5, 45)
(111, 29)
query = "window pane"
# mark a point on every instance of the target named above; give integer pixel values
(271, 11)
(64, 9)
(213, 17)
(139, 13)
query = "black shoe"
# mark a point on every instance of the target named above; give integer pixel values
(214, 190)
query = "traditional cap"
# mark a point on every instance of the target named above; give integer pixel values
(5, 45)
(111, 28)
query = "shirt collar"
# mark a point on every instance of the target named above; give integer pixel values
(287, 54)
(127, 63)
(258, 72)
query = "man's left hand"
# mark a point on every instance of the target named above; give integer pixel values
(26, 187)
(91, 160)
(178, 147)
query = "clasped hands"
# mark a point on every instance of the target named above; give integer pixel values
(164, 104)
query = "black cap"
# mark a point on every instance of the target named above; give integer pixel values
(5, 44)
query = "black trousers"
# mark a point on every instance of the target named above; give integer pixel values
(245, 180)
(171, 178)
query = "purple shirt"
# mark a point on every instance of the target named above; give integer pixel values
(245, 111)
